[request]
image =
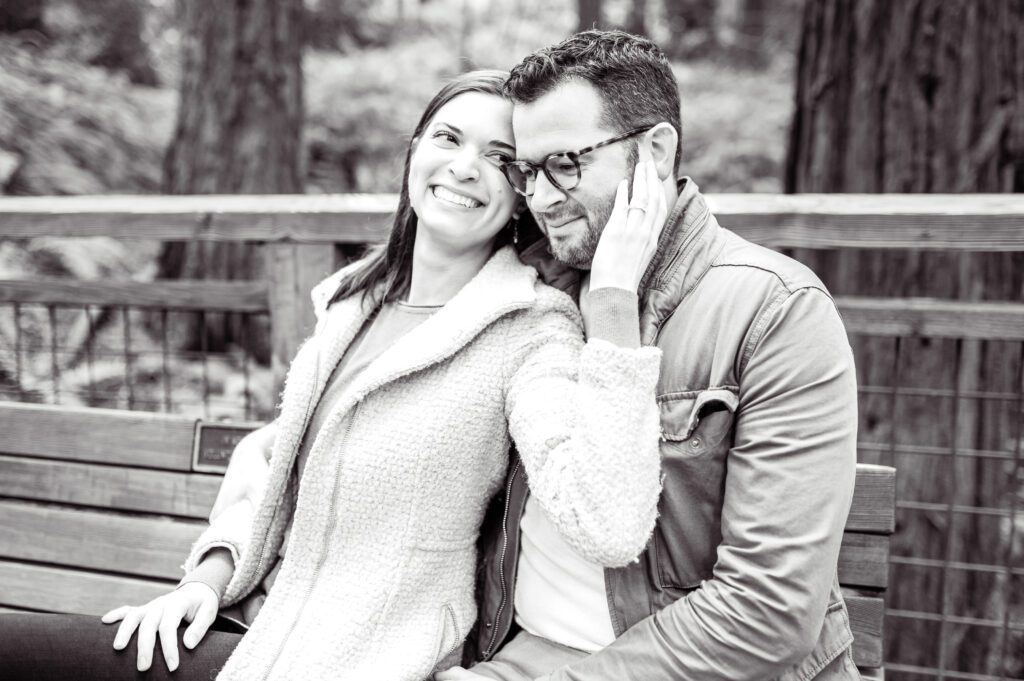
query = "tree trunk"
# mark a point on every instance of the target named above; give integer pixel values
(925, 96)
(589, 14)
(636, 20)
(238, 132)
(750, 42)
(691, 25)
(22, 15)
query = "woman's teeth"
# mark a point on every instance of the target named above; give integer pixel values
(457, 199)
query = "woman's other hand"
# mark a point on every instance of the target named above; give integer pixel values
(630, 238)
(193, 602)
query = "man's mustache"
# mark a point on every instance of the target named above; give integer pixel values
(560, 218)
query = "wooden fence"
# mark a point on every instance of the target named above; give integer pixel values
(296, 231)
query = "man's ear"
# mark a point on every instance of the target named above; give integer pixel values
(663, 141)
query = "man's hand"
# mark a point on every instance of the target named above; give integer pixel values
(630, 238)
(193, 602)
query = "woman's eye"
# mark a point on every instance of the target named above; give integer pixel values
(444, 138)
(500, 158)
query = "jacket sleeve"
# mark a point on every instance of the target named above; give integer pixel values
(585, 422)
(788, 491)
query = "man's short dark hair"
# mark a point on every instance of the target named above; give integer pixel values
(632, 75)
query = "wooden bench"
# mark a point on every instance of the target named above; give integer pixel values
(99, 508)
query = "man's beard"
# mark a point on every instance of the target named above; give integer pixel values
(578, 251)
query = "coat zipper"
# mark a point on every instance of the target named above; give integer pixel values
(501, 560)
(332, 519)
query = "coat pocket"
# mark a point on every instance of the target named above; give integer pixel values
(448, 640)
(697, 429)
(697, 422)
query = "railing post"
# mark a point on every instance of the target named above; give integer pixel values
(292, 270)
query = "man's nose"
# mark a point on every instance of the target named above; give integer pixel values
(465, 167)
(545, 194)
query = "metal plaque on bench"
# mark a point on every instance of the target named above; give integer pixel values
(214, 443)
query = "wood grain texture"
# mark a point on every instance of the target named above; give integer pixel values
(107, 436)
(871, 673)
(343, 218)
(867, 616)
(53, 589)
(976, 222)
(174, 295)
(135, 545)
(864, 560)
(874, 500)
(115, 487)
(293, 270)
(926, 317)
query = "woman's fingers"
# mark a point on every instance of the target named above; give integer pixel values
(168, 631)
(638, 201)
(621, 204)
(656, 208)
(115, 615)
(204, 617)
(146, 641)
(129, 623)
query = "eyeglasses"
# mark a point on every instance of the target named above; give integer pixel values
(562, 168)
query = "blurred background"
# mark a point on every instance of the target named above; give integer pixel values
(191, 97)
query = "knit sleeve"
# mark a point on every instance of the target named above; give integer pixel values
(585, 421)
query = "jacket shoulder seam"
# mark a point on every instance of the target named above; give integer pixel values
(785, 294)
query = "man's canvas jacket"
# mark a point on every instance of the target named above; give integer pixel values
(758, 410)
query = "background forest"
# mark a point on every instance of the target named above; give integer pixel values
(89, 98)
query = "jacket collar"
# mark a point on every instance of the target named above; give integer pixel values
(503, 285)
(687, 247)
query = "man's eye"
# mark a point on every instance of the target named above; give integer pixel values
(443, 138)
(564, 167)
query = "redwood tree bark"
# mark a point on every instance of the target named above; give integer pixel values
(238, 132)
(22, 15)
(926, 96)
(589, 14)
(636, 19)
(692, 25)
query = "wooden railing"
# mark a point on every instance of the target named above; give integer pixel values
(295, 228)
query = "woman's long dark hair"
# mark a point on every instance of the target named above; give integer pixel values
(392, 262)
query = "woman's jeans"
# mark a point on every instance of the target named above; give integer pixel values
(44, 647)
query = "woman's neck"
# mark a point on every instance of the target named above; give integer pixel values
(438, 272)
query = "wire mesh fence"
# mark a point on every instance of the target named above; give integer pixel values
(948, 415)
(125, 357)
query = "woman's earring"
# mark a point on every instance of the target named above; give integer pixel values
(515, 230)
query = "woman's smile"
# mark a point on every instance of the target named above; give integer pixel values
(455, 198)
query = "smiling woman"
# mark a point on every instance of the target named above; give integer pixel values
(343, 542)
(456, 186)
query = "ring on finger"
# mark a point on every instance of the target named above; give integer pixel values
(634, 207)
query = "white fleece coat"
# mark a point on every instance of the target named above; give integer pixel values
(378, 576)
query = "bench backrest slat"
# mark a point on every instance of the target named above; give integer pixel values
(190, 495)
(105, 436)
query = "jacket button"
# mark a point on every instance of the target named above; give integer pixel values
(695, 442)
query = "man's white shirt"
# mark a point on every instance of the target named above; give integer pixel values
(559, 595)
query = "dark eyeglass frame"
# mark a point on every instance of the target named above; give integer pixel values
(572, 156)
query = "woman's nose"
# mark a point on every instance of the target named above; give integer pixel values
(465, 167)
